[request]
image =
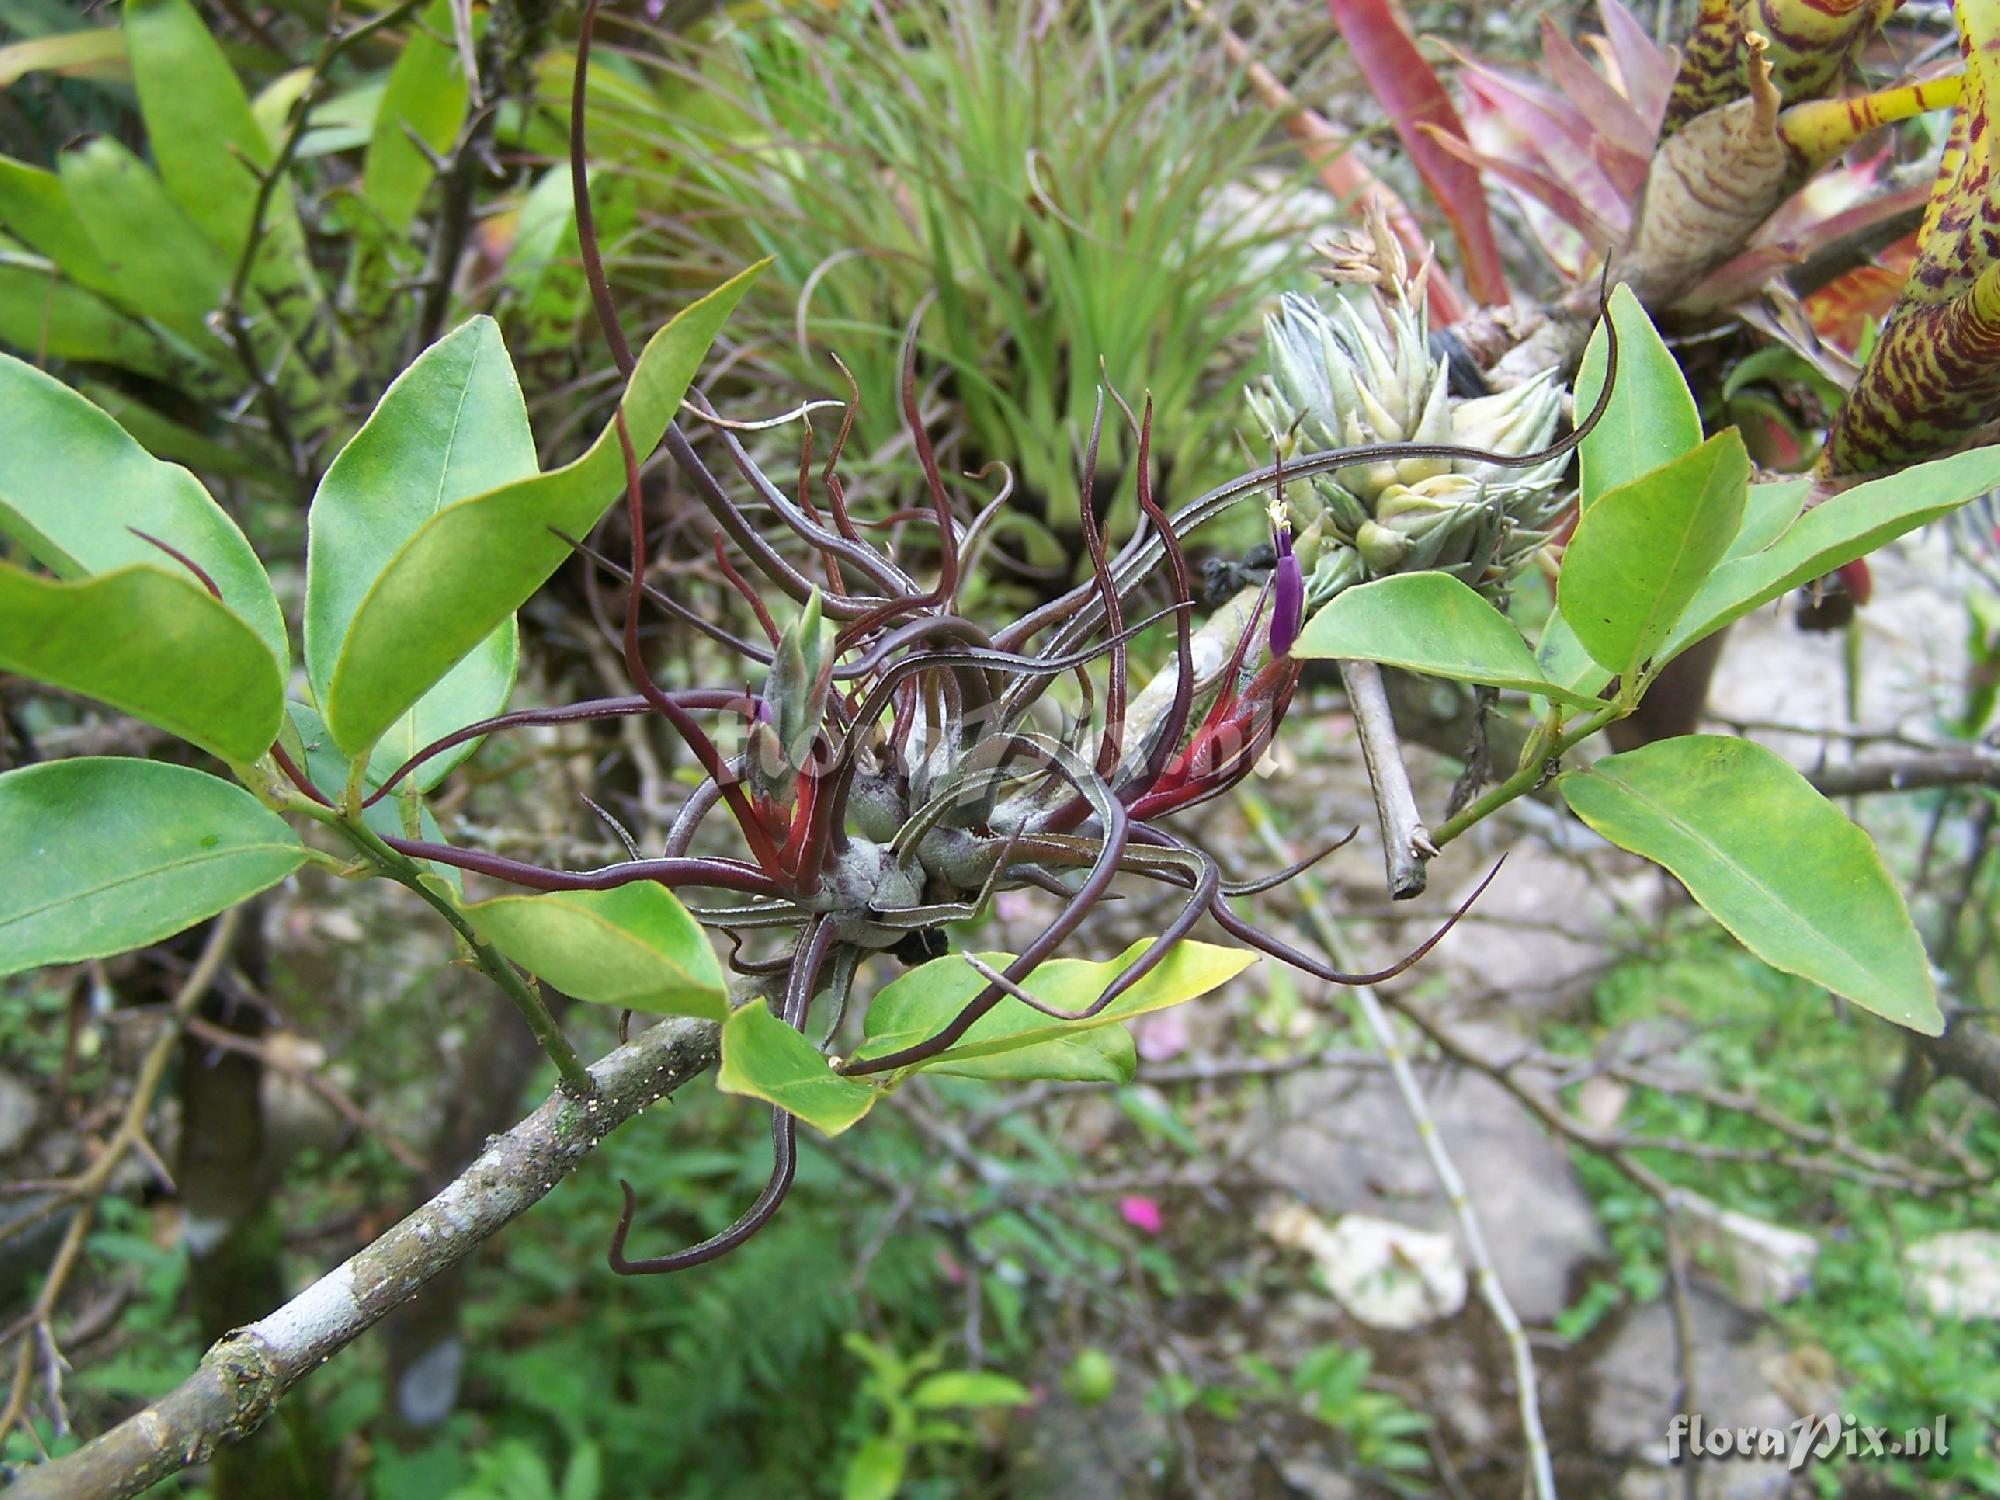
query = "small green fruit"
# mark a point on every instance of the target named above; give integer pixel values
(1091, 1378)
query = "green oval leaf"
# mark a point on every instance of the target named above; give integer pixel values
(1848, 525)
(1768, 511)
(425, 98)
(1771, 860)
(105, 854)
(875, 1472)
(1430, 623)
(75, 490)
(453, 424)
(161, 264)
(1651, 418)
(634, 946)
(919, 1003)
(1645, 548)
(204, 138)
(152, 644)
(476, 561)
(763, 1058)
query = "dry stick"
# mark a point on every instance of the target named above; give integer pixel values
(1405, 843)
(1973, 766)
(243, 1376)
(1552, 1115)
(87, 1188)
(1484, 1275)
(1682, 1309)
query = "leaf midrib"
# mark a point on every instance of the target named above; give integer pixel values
(152, 872)
(1795, 922)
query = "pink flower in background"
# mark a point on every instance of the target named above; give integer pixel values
(1162, 1035)
(1143, 1214)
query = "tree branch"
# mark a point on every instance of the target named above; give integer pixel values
(1405, 844)
(241, 1379)
(1972, 766)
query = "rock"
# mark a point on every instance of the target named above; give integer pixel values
(1346, 1145)
(1071, 1449)
(1544, 924)
(1635, 1383)
(1311, 1480)
(1957, 1275)
(1600, 1101)
(1387, 1275)
(19, 1109)
(1758, 1262)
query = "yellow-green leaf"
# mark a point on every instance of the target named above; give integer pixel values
(918, 1004)
(1771, 860)
(633, 946)
(152, 644)
(764, 1058)
(105, 854)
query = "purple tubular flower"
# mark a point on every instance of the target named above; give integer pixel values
(1288, 593)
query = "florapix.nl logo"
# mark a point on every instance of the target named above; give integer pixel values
(1810, 1439)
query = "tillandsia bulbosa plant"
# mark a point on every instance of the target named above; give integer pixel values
(885, 760)
(893, 769)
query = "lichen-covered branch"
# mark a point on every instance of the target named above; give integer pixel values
(243, 1377)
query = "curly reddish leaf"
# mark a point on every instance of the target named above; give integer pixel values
(1646, 70)
(1409, 89)
(1610, 111)
(1538, 186)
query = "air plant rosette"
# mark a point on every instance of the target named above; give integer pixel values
(1363, 372)
(899, 762)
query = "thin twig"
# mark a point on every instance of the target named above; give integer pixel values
(338, 1099)
(1405, 843)
(1485, 1276)
(88, 1186)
